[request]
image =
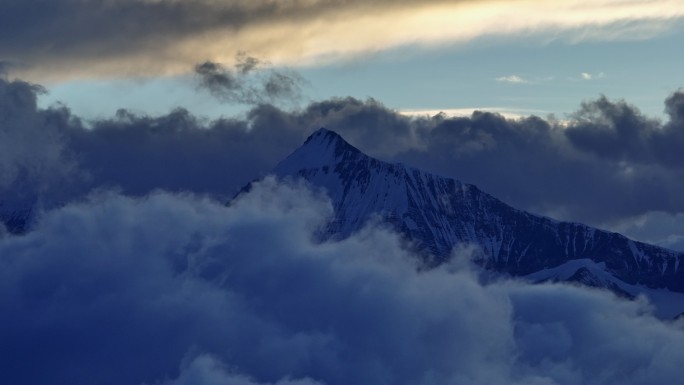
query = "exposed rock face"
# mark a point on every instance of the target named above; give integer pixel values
(437, 213)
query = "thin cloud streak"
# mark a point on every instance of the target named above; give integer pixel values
(135, 37)
(515, 79)
(507, 112)
(591, 76)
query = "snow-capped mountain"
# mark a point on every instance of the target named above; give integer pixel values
(436, 214)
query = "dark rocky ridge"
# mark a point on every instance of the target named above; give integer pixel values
(437, 213)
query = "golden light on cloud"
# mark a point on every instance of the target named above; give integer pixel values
(507, 112)
(351, 33)
(298, 33)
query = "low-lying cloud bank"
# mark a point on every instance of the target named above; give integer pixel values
(607, 165)
(176, 289)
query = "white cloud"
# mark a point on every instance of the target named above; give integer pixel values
(511, 79)
(508, 112)
(590, 76)
(128, 290)
(208, 370)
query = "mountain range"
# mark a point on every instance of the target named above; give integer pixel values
(435, 214)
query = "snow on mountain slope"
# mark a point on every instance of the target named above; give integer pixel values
(585, 272)
(437, 213)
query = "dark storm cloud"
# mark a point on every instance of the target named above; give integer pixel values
(150, 36)
(241, 85)
(48, 157)
(215, 78)
(61, 39)
(105, 26)
(57, 158)
(246, 64)
(608, 164)
(178, 152)
(532, 163)
(5, 66)
(139, 286)
(33, 155)
(85, 28)
(137, 153)
(618, 132)
(173, 289)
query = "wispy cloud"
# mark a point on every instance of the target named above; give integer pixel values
(515, 79)
(591, 76)
(507, 112)
(249, 82)
(88, 38)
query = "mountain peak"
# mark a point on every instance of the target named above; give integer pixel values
(437, 214)
(323, 134)
(330, 140)
(322, 148)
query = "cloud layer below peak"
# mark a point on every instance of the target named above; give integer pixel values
(175, 289)
(134, 271)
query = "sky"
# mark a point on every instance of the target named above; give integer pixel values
(126, 124)
(516, 57)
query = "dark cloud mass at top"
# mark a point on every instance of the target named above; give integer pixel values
(109, 34)
(104, 27)
(76, 39)
(75, 25)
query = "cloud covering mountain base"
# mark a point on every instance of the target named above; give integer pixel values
(179, 289)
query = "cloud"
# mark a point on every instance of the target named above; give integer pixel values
(208, 370)
(33, 155)
(49, 157)
(72, 38)
(590, 76)
(507, 112)
(673, 241)
(237, 86)
(5, 67)
(609, 148)
(619, 132)
(515, 79)
(657, 228)
(613, 152)
(176, 289)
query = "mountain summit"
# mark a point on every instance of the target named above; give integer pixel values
(436, 214)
